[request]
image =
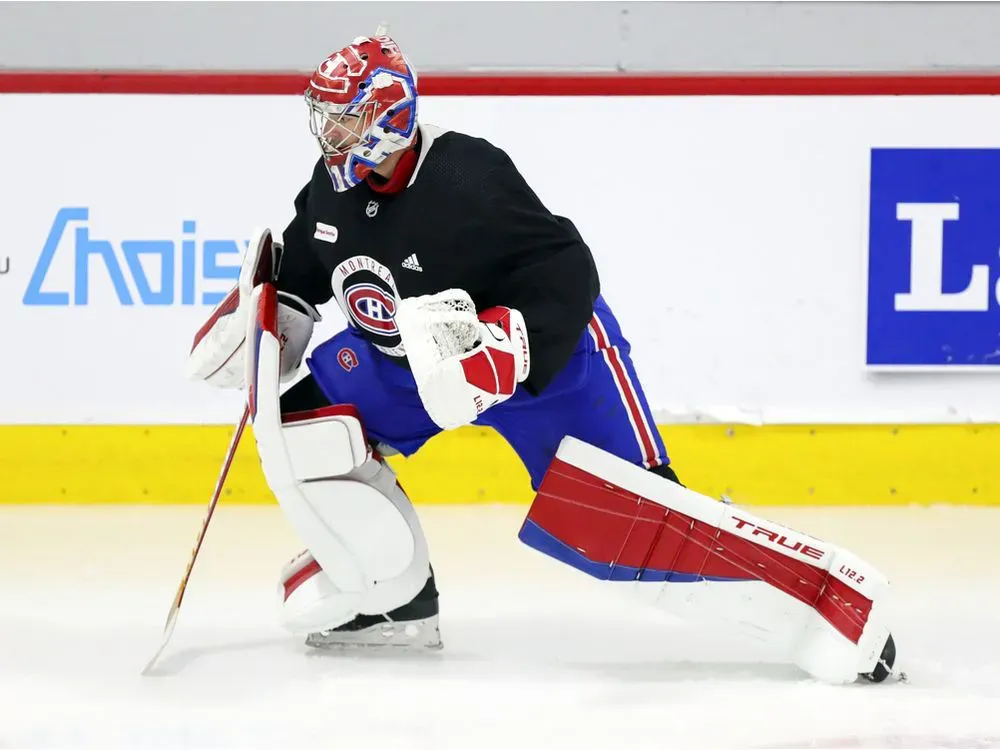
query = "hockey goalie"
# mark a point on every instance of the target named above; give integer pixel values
(468, 302)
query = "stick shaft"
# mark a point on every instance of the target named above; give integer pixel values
(168, 628)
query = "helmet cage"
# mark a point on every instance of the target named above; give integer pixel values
(338, 127)
(358, 136)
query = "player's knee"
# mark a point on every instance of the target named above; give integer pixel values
(306, 395)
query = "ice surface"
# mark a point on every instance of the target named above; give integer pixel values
(536, 656)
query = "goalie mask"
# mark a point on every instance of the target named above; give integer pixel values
(362, 108)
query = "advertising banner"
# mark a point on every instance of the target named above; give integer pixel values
(125, 221)
(934, 259)
(730, 236)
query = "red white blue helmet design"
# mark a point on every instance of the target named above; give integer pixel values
(362, 108)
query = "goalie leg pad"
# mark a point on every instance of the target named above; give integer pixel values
(369, 550)
(708, 561)
(343, 502)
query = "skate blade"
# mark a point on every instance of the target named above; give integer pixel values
(418, 635)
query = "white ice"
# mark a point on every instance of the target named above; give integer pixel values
(536, 655)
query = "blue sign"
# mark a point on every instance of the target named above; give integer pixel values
(934, 258)
(179, 276)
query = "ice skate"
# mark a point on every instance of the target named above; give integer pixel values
(412, 626)
(884, 668)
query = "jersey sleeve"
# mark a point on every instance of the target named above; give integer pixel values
(543, 268)
(301, 272)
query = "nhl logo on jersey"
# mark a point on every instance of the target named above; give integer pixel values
(371, 209)
(366, 292)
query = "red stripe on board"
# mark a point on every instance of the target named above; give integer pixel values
(523, 84)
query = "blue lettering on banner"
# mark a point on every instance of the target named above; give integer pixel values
(178, 272)
(934, 258)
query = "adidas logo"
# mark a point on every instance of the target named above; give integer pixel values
(411, 263)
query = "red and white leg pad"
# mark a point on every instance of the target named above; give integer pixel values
(711, 562)
(366, 550)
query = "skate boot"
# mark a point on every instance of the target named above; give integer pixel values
(413, 625)
(884, 667)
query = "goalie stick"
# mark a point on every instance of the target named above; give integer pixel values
(168, 628)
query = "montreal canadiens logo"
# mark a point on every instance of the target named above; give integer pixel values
(371, 308)
(348, 359)
(366, 292)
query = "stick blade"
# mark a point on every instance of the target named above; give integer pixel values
(168, 631)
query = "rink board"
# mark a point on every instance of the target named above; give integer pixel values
(767, 465)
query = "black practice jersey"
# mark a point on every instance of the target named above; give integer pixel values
(466, 220)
